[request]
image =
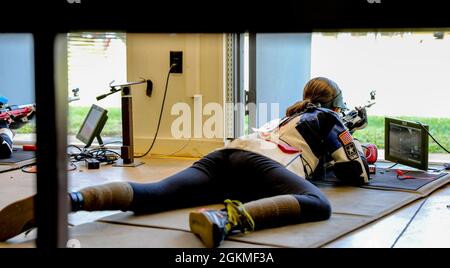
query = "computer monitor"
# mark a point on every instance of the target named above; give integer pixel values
(93, 125)
(406, 143)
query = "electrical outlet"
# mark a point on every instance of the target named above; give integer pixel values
(176, 57)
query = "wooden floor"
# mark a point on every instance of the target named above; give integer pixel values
(424, 223)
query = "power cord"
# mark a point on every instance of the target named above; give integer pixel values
(433, 137)
(160, 114)
(446, 165)
(392, 166)
(106, 143)
(32, 168)
(101, 154)
(179, 150)
(98, 153)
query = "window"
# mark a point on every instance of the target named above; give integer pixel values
(94, 61)
(408, 71)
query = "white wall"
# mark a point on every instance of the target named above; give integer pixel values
(148, 57)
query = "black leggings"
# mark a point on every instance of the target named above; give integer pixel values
(233, 174)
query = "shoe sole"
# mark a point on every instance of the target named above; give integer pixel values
(15, 217)
(205, 229)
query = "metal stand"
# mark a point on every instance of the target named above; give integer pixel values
(127, 150)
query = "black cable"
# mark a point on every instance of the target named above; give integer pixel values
(98, 153)
(392, 166)
(103, 154)
(432, 137)
(74, 146)
(160, 114)
(103, 150)
(24, 168)
(82, 156)
(8, 170)
(409, 223)
(179, 150)
(106, 143)
(74, 167)
(111, 151)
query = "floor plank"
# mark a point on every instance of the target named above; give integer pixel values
(430, 228)
(381, 233)
(106, 235)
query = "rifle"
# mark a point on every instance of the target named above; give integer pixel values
(17, 115)
(357, 118)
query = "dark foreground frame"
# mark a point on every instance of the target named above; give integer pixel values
(45, 19)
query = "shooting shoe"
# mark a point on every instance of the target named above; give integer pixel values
(16, 218)
(212, 226)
